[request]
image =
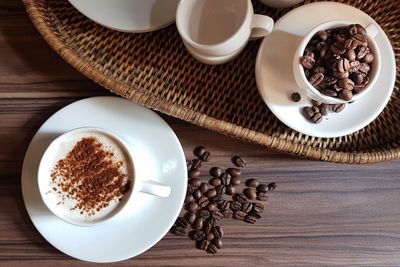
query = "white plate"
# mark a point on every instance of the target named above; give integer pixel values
(130, 234)
(276, 82)
(129, 15)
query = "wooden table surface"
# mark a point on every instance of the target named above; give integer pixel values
(321, 214)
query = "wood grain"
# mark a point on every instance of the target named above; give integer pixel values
(322, 214)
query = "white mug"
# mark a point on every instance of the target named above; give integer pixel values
(310, 90)
(219, 28)
(58, 149)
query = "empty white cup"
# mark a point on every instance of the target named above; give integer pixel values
(218, 28)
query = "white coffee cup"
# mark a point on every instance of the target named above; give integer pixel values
(219, 28)
(61, 146)
(310, 90)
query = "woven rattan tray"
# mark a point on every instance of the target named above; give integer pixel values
(155, 70)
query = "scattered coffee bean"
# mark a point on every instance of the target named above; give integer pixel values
(218, 199)
(210, 236)
(217, 215)
(196, 164)
(247, 207)
(215, 182)
(241, 198)
(308, 112)
(197, 194)
(250, 219)
(317, 118)
(271, 186)
(194, 174)
(189, 164)
(211, 193)
(189, 198)
(217, 231)
(225, 205)
(211, 207)
(203, 244)
(230, 190)
(225, 178)
(296, 97)
(198, 235)
(255, 214)
(252, 182)
(262, 196)
(227, 213)
(198, 224)
(208, 226)
(199, 151)
(250, 193)
(181, 222)
(238, 161)
(233, 172)
(203, 187)
(203, 202)
(190, 217)
(262, 188)
(212, 249)
(205, 156)
(217, 242)
(180, 231)
(221, 189)
(215, 172)
(338, 107)
(239, 215)
(236, 205)
(205, 214)
(193, 206)
(235, 180)
(258, 207)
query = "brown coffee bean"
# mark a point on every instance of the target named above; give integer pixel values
(316, 79)
(250, 193)
(197, 194)
(215, 172)
(324, 53)
(341, 75)
(181, 222)
(203, 244)
(346, 95)
(221, 189)
(230, 190)
(361, 29)
(215, 182)
(196, 164)
(205, 214)
(323, 35)
(190, 217)
(193, 207)
(339, 37)
(189, 164)
(250, 219)
(210, 236)
(205, 157)
(262, 188)
(308, 112)
(252, 182)
(351, 44)
(247, 207)
(329, 81)
(189, 198)
(362, 52)
(323, 109)
(346, 84)
(203, 187)
(211, 206)
(194, 174)
(199, 151)
(236, 205)
(198, 235)
(217, 231)
(358, 78)
(180, 231)
(195, 182)
(208, 225)
(198, 224)
(351, 55)
(317, 118)
(315, 109)
(258, 207)
(338, 107)
(338, 48)
(203, 201)
(217, 215)
(241, 198)
(315, 103)
(354, 66)
(263, 196)
(296, 97)
(227, 213)
(217, 242)
(212, 249)
(307, 62)
(218, 199)
(233, 172)
(255, 214)
(329, 92)
(235, 180)
(368, 58)
(272, 186)
(364, 68)
(358, 89)
(318, 69)
(189, 190)
(239, 215)
(360, 38)
(343, 65)
(238, 161)
(225, 205)
(211, 193)
(225, 178)
(356, 28)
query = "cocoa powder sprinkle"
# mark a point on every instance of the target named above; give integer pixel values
(91, 176)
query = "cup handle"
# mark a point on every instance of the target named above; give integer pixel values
(155, 188)
(372, 30)
(261, 26)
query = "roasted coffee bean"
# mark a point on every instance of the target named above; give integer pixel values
(354, 66)
(364, 68)
(205, 214)
(199, 151)
(211, 206)
(193, 207)
(198, 235)
(203, 244)
(189, 198)
(262, 188)
(317, 118)
(208, 226)
(241, 198)
(198, 223)
(296, 97)
(227, 213)
(236, 205)
(217, 231)
(225, 205)
(189, 164)
(351, 55)
(225, 178)
(358, 78)
(195, 182)
(230, 190)
(341, 75)
(356, 28)
(204, 187)
(221, 189)
(238, 161)
(181, 222)
(203, 202)
(235, 180)
(368, 58)
(211, 193)
(250, 219)
(215, 172)
(210, 236)
(308, 112)
(272, 186)
(358, 88)
(239, 215)
(217, 215)
(339, 37)
(346, 95)
(315, 109)
(180, 231)
(218, 199)
(338, 48)
(252, 182)
(329, 92)
(250, 193)
(329, 81)
(318, 69)
(343, 65)
(324, 53)
(338, 107)
(217, 242)
(258, 207)
(307, 62)
(316, 79)
(212, 249)
(247, 207)
(194, 174)
(323, 35)
(215, 182)
(233, 172)
(190, 217)
(362, 52)
(196, 164)
(263, 196)
(360, 38)
(351, 44)
(323, 109)
(197, 194)
(205, 157)
(189, 190)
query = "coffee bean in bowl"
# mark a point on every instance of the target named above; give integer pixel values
(337, 62)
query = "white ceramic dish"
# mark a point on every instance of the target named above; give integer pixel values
(129, 15)
(276, 83)
(156, 149)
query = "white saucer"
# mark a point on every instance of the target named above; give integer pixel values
(131, 234)
(129, 15)
(276, 82)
